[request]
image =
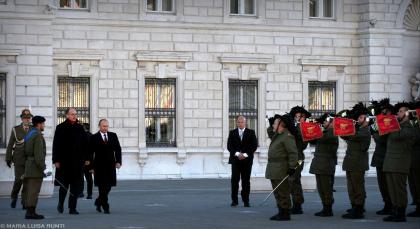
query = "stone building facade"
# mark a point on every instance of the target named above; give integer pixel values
(126, 49)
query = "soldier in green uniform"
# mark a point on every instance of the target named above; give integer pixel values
(414, 176)
(383, 107)
(35, 152)
(282, 159)
(397, 163)
(15, 153)
(323, 164)
(356, 162)
(299, 114)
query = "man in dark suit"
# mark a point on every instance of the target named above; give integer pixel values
(69, 153)
(104, 157)
(242, 144)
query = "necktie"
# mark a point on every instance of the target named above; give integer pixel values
(241, 134)
(105, 138)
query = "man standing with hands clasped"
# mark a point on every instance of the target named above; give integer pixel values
(242, 143)
(104, 157)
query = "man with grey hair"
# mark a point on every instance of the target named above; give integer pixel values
(242, 143)
(69, 152)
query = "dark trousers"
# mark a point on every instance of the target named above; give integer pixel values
(356, 187)
(282, 194)
(19, 171)
(383, 187)
(397, 188)
(414, 184)
(324, 187)
(103, 195)
(296, 186)
(89, 182)
(241, 171)
(32, 194)
(74, 189)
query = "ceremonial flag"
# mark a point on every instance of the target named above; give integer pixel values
(387, 124)
(418, 114)
(310, 131)
(344, 127)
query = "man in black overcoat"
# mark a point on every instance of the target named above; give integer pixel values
(104, 157)
(68, 155)
(242, 143)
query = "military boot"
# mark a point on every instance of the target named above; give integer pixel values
(400, 216)
(415, 213)
(31, 214)
(387, 210)
(392, 216)
(284, 215)
(297, 209)
(325, 212)
(356, 213)
(276, 215)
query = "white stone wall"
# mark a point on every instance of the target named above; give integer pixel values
(365, 49)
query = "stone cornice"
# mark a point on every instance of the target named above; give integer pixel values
(323, 62)
(77, 55)
(164, 56)
(249, 59)
(10, 52)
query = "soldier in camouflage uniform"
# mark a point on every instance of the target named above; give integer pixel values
(15, 154)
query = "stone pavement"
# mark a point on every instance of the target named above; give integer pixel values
(200, 203)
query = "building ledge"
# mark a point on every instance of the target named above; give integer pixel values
(164, 56)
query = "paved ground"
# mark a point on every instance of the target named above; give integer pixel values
(200, 203)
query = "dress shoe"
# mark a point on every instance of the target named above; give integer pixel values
(13, 203)
(98, 206)
(89, 197)
(246, 204)
(73, 212)
(60, 208)
(234, 204)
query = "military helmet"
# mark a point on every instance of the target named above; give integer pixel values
(26, 113)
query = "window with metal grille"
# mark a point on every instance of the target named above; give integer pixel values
(243, 100)
(321, 8)
(2, 110)
(322, 97)
(160, 112)
(242, 7)
(74, 92)
(73, 4)
(160, 5)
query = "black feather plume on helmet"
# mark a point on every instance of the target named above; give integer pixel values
(357, 110)
(299, 109)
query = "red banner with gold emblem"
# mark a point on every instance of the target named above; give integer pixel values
(418, 114)
(344, 127)
(310, 131)
(387, 124)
